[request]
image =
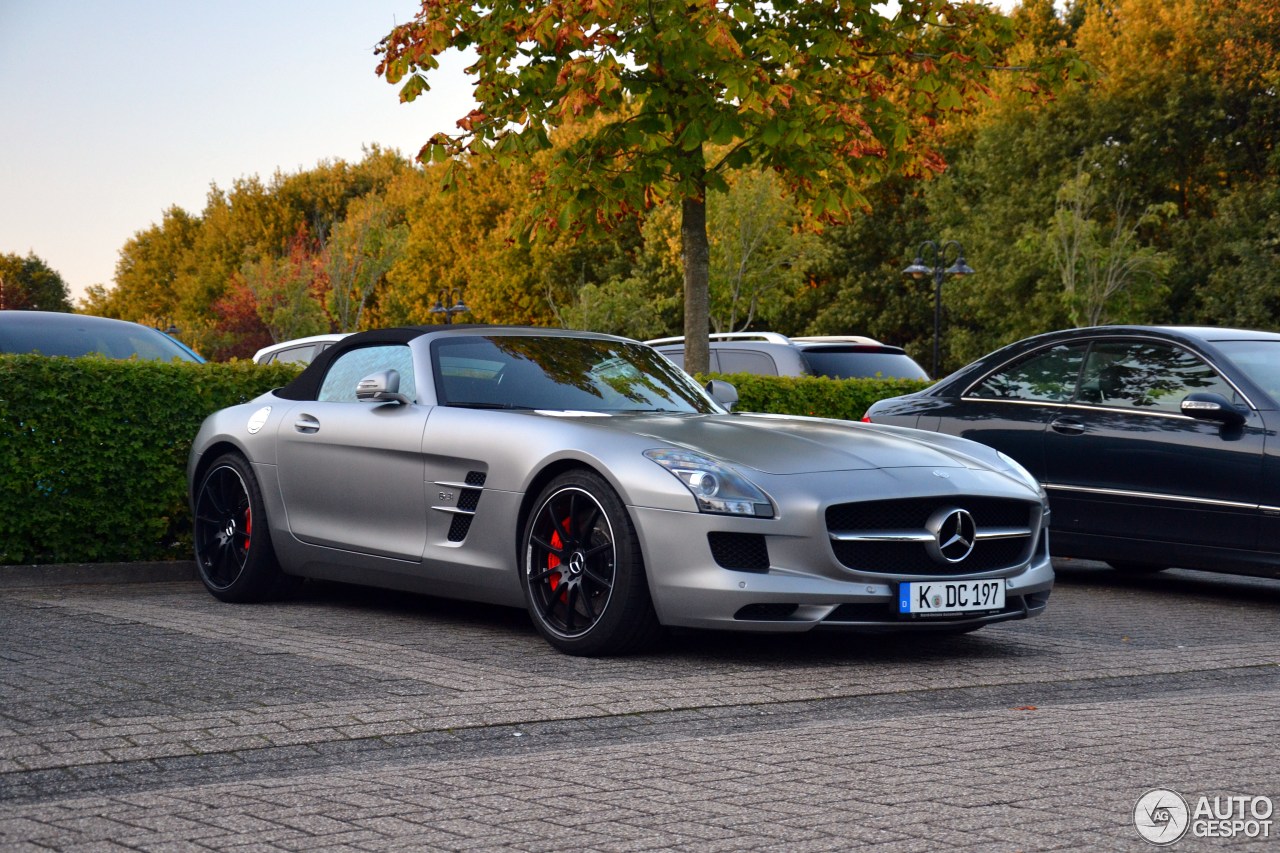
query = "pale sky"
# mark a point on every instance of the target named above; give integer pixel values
(116, 110)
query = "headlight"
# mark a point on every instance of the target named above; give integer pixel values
(1022, 473)
(717, 487)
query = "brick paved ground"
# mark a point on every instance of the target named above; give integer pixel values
(150, 717)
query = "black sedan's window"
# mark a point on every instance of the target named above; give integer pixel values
(560, 374)
(349, 368)
(1044, 376)
(1259, 360)
(1149, 376)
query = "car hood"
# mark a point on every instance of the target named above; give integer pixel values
(776, 444)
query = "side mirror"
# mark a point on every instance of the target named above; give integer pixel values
(381, 387)
(723, 393)
(1204, 406)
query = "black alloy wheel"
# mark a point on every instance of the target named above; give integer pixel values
(232, 543)
(584, 580)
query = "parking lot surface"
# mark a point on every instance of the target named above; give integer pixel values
(149, 716)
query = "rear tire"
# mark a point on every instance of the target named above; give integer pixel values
(583, 576)
(232, 538)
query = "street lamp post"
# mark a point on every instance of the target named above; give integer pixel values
(936, 253)
(449, 295)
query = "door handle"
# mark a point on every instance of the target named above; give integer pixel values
(306, 424)
(1066, 426)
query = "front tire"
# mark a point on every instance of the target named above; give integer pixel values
(584, 579)
(233, 544)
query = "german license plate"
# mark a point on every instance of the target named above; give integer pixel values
(922, 598)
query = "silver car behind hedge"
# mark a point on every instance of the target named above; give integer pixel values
(584, 477)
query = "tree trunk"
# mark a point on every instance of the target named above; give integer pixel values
(695, 256)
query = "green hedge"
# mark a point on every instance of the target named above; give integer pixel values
(843, 399)
(93, 453)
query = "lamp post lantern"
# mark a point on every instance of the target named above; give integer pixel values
(449, 295)
(931, 260)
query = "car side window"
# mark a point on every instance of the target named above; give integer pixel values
(1149, 376)
(675, 356)
(293, 355)
(746, 361)
(1044, 376)
(348, 369)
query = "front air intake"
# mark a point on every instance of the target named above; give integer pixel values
(741, 552)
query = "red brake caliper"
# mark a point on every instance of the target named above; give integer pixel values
(248, 526)
(554, 562)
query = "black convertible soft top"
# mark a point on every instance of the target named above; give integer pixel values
(307, 385)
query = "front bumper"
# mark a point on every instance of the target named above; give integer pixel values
(804, 585)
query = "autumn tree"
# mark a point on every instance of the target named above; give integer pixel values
(829, 93)
(1099, 256)
(31, 284)
(288, 290)
(760, 253)
(449, 244)
(359, 252)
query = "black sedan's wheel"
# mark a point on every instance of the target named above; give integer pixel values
(584, 579)
(233, 546)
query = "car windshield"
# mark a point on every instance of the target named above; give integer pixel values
(855, 364)
(1259, 360)
(561, 374)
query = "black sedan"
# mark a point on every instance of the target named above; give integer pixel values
(76, 335)
(1157, 445)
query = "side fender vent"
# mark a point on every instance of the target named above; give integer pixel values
(463, 510)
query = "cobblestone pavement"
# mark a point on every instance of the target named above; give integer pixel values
(150, 717)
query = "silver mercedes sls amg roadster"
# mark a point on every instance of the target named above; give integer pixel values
(586, 478)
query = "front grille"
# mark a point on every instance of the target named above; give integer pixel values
(912, 558)
(743, 552)
(912, 513)
(912, 552)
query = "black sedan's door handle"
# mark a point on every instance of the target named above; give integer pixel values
(1066, 426)
(306, 424)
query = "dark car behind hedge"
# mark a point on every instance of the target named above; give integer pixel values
(1157, 445)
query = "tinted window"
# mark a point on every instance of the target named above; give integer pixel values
(295, 355)
(745, 361)
(856, 365)
(1149, 376)
(347, 371)
(1259, 360)
(559, 374)
(1044, 376)
(675, 354)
